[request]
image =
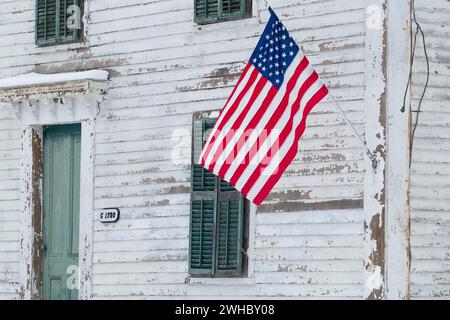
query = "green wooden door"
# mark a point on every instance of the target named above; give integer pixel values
(61, 212)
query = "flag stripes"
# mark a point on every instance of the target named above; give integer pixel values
(256, 135)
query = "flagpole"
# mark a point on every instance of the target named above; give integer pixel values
(369, 154)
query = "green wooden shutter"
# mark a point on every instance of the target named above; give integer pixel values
(214, 10)
(46, 17)
(66, 32)
(206, 10)
(230, 223)
(52, 17)
(216, 224)
(203, 208)
(233, 8)
(203, 220)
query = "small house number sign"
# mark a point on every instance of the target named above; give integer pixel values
(109, 215)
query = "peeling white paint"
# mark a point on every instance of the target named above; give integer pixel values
(375, 126)
(375, 280)
(430, 169)
(312, 238)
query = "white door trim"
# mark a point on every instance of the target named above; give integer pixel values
(31, 200)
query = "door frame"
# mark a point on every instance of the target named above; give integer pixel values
(31, 181)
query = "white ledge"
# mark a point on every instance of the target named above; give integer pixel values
(36, 79)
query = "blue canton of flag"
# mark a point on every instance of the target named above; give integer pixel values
(275, 51)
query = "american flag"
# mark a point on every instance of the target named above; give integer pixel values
(256, 135)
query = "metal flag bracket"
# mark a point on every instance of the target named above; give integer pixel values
(371, 156)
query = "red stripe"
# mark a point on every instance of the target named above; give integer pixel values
(247, 67)
(251, 125)
(283, 135)
(290, 155)
(230, 112)
(272, 122)
(244, 73)
(236, 125)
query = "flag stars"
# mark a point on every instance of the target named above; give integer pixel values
(275, 53)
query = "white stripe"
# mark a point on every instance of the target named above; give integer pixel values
(265, 118)
(238, 134)
(227, 107)
(279, 126)
(288, 143)
(218, 143)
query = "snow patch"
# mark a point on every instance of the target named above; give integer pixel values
(375, 279)
(38, 79)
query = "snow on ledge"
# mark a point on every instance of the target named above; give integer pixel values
(36, 79)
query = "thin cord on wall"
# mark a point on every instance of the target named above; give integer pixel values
(408, 85)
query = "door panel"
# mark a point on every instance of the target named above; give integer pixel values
(61, 211)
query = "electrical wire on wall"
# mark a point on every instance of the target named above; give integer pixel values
(408, 85)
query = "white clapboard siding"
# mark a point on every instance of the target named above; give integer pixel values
(9, 204)
(156, 90)
(430, 177)
(308, 237)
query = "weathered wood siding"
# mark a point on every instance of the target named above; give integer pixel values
(9, 163)
(307, 239)
(9, 204)
(430, 172)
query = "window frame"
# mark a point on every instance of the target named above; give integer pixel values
(218, 196)
(58, 40)
(246, 12)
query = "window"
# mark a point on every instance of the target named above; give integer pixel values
(218, 224)
(208, 11)
(58, 21)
